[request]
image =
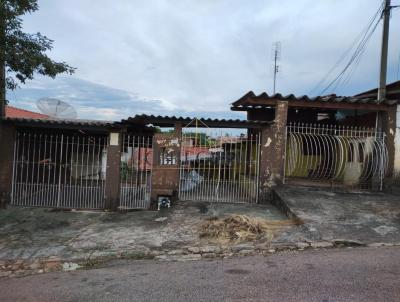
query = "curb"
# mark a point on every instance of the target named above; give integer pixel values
(20, 267)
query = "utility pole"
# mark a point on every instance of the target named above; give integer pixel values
(384, 52)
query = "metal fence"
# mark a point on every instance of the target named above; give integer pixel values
(136, 168)
(59, 170)
(219, 168)
(352, 156)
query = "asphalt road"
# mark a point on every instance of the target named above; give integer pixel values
(358, 274)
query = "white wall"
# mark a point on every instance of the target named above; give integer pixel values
(397, 144)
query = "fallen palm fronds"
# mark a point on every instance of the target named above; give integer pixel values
(241, 228)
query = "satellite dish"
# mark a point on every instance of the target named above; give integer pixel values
(56, 108)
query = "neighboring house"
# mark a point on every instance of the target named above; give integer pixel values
(14, 112)
(392, 93)
(349, 139)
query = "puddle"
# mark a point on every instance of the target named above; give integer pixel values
(237, 271)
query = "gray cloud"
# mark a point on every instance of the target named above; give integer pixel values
(94, 101)
(198, 56)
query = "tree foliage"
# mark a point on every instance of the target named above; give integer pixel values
(25, 54)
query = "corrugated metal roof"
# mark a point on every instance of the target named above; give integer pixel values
(251, 100)
(62, 122)
(169, 121)
(139, 120)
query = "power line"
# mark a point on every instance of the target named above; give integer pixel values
(360, 41)
(358, 52)
(356, 58)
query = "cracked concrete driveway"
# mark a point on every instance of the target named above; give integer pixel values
(28, 233)
(367, 218)
(82, 237)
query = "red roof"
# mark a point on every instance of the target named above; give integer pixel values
(22, 113)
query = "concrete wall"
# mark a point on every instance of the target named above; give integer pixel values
(113, 173)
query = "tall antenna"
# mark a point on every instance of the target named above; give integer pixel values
(276, 56)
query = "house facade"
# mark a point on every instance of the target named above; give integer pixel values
(349, 143)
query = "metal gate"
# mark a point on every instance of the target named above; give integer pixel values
(219, 168)
(352, 156)
(136, 169)
(59, 170)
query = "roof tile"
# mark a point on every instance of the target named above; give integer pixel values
(14, 112)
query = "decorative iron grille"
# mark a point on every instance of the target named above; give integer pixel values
(352, 156)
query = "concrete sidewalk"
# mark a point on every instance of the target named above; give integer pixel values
(29, 235)
(43, 240)
(365, 218)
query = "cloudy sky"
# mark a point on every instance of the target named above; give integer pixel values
(190, 57)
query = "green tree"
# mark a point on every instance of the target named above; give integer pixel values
(22, 55)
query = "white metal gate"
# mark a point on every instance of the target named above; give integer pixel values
(352, 156)
(59, 170)
(219, 168)
(136, 168)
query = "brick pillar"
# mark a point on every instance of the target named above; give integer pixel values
(390, 119)
(165, 175)
(272, 159)
(112, 189)
(178, 135)
(387, 122)
(7, 137)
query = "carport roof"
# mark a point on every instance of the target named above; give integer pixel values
(62, 123)
(170, 121)
(252, 101)
(139, 121)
